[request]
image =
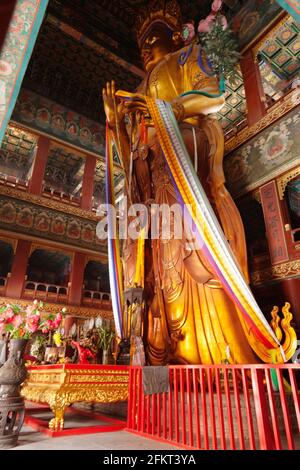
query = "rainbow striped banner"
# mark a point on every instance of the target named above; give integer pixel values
(114, 258)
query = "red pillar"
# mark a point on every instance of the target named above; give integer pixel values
(76, 278)
(274, 223)
(15, 282)
(254, 92)
(88, 182)
(39, 165)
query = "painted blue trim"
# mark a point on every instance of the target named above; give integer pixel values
(31, 43)
(289, 9)
(209, 72)
(183, 57)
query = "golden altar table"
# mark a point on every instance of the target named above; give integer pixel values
(60, 385)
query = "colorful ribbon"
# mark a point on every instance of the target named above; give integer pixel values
(114, 258)
(215, 248)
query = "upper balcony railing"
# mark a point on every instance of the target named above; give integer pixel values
(13, 182)
(94, 298)
(42, 291)
(61, 196)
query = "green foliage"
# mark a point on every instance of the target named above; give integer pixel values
(105, 337)
(221, 49)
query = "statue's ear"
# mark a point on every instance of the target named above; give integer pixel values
(177, 39)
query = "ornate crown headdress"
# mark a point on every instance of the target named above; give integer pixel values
(158, 11)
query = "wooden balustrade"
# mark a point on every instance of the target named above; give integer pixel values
(42, 291)
(244, 407)
(13, 182)
(96, 298)
(53, 193)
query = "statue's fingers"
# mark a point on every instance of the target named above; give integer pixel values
(113, 87)
(135, 105)
(108, 89)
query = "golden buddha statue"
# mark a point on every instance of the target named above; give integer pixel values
(190, 319)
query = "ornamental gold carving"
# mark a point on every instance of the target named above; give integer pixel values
(61, 387)
(284, 180)
(280, 271)
(85, 312)
(98, 379)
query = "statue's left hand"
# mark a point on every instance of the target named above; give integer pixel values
(133, 101)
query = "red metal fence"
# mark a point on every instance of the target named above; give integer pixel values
(220, 407)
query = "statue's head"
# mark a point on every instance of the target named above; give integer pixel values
(158, 31)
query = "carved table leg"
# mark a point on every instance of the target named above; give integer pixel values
(58, 406)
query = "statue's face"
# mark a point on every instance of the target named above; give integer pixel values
(156, 45)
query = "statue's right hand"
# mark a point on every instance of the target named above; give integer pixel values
(113, 107)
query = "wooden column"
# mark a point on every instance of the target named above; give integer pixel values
(76, 278)
(88, 182)
(16, 280)
(255, 96)
(274, 223)
(39, 165)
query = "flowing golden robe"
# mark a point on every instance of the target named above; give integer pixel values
(190, 318)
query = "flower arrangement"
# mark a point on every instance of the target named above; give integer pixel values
(219, 44)
(17, 322)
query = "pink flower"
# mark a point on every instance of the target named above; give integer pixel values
(32, 323)
(216, 5)
(17, 321)
(57, 320)
(50, 325)
(8, 313)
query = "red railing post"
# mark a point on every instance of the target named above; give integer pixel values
(238, 410)
(212, 409)
(248, 410)
(196, 407)
(133, 407)
(189, 406)
(182, 406)
(220, 409)
(129, 406)
(140, 399)
(176, 405)
(203, 407)
(171, 378)
(295, 396)
(265, 432)
(229, 409)
(285, 411)
(272, 404)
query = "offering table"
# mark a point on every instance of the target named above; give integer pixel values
(60, 385)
